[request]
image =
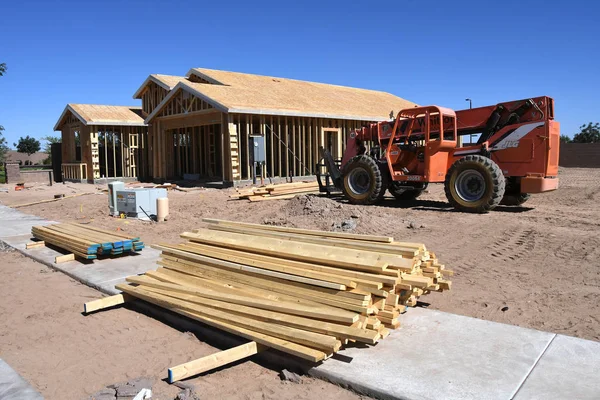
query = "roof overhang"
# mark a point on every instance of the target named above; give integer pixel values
(150, 78)
(292, 113)
(67, 109)
(111, 122)
(195, 71)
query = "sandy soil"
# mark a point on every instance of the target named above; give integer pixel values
(66, 355)
(539, 260)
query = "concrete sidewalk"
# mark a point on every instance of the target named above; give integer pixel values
(14, 387)
(434, 355)
(103, 274)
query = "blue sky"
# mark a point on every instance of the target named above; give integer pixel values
(439, 53)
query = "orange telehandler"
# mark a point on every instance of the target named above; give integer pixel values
(516, 155)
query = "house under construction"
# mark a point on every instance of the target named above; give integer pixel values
(200, 126)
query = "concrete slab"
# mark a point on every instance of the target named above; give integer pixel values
(14, 387)
(15, 222)
(101, 274)
(569, 369)
(436, 355)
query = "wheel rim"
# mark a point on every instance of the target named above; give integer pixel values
(470, 185)
(359, 181)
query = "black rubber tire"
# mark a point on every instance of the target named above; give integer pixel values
(515, 199)
(403, 194)
(493, 191)
(375, 183)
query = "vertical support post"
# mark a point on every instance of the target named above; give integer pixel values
(114, 146)
(272, 139)
(123, 156)
(247, 144)
(287, 150)
(293, 155)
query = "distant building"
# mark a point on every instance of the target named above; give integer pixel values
(14, 156)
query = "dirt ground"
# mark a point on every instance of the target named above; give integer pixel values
(540, 260)
(66, 355)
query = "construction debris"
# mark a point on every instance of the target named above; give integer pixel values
(276, 192)
(51, 200)
(303, 292)
(86, 241)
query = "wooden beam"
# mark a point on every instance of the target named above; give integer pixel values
(313, 340)
(185, 273)
(106, 302)
(405, 252)
(278, 267)
(342, 235)
(251, 258)
(326, 328)
(192, 267)
(304, 352)
(328, 313)
(34, 245)
(346, 258)
(246, 144)
(64, 258)
(213, 361)
(233, 266)
(51, 200)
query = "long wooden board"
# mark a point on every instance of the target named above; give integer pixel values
(314, 312)
(295, 251)
(327, 328)
(106, 302)
(406, 252)
(209, 315)
(357, 276)
(304, 352)
(343, 235)
(212, 261)
(213, 361)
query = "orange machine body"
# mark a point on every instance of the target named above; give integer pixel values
(521, 136)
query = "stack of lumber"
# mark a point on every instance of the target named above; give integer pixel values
(276, 192)
(87, 241)
(300, 291)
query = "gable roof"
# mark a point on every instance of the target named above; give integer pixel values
(236, 92)
(96, 114)
(167, 82)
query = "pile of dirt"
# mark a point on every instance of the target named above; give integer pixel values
(313, 206)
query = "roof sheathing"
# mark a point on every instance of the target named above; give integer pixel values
(234, 92)
(98, 114)
(167, 82)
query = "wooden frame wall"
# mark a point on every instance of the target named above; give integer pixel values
(129, 142)
(186, 144)
(152, 96)
(190, 136)
(291, 143)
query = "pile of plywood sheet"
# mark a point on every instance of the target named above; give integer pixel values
(276, 192)
(86, 241)
(303, 292)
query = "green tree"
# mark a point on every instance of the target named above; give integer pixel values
(48, 148)
(2, 68)
(3, 146)
(27, 145)
(565, 139)
(589, 133)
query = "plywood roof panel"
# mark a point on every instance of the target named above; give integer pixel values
(240, 92)
(96, 114)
